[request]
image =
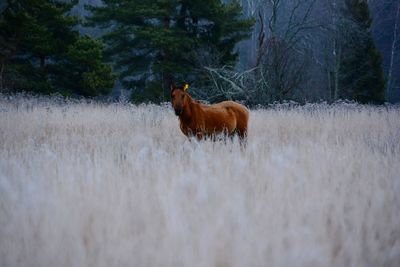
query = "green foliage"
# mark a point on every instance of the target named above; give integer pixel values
(28, 78)
(82, 71)
(362, 77)
(41, 52)
(153, 43)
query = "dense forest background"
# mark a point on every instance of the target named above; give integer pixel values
(255, 51)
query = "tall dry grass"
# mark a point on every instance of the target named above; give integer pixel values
(84, 184)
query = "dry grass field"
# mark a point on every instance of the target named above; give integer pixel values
(86, 184)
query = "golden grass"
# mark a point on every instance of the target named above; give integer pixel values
(119, 185)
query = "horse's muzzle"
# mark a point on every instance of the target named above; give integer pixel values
(178, 111)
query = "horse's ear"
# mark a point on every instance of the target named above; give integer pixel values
(172, 86)
(185, 87)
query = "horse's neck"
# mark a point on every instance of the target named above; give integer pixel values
(190, 111)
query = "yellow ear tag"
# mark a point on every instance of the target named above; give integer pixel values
(186, 87)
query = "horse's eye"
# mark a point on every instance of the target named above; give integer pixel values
(183, 96)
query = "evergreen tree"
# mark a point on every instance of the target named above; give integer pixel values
(37, 37)
(33, 32)
(152, 43)
(82, 71)
(361, 76)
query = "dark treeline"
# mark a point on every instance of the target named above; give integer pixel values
(41, 51)
(256, 51)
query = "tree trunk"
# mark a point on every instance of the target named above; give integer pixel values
(394, 44)
(274, 16)
(1, 74)
(167, 77)
(261, 39)
(330, 86)
(336, 73)
(337, 53)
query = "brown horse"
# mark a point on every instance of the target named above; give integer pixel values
(202, 121)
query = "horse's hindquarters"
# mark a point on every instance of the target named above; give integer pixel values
(241, 118)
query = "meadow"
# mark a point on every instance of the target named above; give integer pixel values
(92, 184)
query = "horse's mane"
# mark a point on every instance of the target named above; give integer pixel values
(195, 100)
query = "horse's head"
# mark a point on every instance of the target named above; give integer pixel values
(179, 98)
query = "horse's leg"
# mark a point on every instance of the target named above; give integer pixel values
(231, 135)
(241, 129)
(199, 136)
(242, 133)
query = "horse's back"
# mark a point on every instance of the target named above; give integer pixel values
(240, 111)
(235, 106)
